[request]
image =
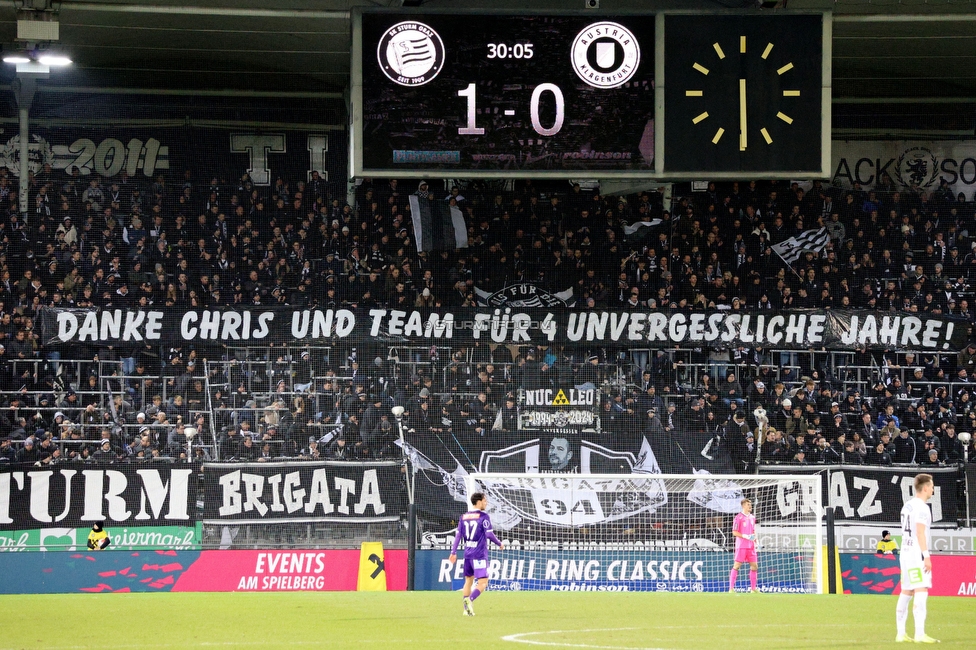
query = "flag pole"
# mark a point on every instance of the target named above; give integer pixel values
(788, 265)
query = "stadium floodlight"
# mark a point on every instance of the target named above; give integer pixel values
(50, 60)
(54, 61)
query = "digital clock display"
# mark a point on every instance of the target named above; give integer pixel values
(489, 94)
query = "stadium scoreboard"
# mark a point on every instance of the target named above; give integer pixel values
(667, 95)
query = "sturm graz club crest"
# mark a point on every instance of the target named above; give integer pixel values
(917, 166)
(525, 295)
(410, 53)
(605, 55)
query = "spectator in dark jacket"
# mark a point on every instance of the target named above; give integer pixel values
(877, 455)
(905, 448)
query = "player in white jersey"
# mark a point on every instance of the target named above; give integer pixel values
(916, 565)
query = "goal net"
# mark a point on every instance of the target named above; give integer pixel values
(649, 532)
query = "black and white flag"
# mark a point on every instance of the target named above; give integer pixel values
(641, 230)
(809, 240)
(437, 226)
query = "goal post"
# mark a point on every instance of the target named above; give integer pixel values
(650, 532)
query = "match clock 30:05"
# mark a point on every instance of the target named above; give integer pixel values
(488, 94)
(743, 93)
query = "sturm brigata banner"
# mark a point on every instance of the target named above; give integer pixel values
(796, 329)
(74, 496)
(302, 492)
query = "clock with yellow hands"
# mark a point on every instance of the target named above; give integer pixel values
(745, 93)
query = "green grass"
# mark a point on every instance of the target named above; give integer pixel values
(610, 621)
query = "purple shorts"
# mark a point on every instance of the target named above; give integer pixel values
(745, 555)
(476, 568)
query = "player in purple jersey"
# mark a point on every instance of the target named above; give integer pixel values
(474, 529)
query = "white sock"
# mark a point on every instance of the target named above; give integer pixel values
(919, 611)
(901, 612)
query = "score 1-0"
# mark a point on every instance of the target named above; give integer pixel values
(471, 127)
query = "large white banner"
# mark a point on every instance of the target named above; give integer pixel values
(907, 162)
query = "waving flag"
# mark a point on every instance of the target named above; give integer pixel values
(638, 232)
(437, 226)
(808, 240)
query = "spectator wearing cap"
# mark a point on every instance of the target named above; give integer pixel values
(886, 545)
(737, 435)
(105, 454)
(589, 372)
(507, 419)
(653, 429)
(796, 422)
(731, 391)
(932, 458)
(836, 426)
(778, 417)
(759, 394)
(248, 450)
(966, 360)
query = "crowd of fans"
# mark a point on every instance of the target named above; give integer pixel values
(181, 242)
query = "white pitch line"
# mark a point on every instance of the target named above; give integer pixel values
(517, 638)
(217, 644)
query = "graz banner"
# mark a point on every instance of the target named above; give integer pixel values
(796, 329)
(866, 494)
(74, 497)
(907, 163)
(302, 492)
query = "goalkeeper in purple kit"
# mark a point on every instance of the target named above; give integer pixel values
(474, 529)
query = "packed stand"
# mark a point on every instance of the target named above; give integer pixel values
(124, 243)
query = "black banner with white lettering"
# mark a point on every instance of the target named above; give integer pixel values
(303, 492)
(76, 496)
(796, 329)
(142, 154)
(861, 494)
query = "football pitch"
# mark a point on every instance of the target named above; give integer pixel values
(609, 621)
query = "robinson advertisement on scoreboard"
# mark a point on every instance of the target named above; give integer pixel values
(831, 329)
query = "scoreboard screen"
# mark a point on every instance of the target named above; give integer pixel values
(667, 96)
(500, 93)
